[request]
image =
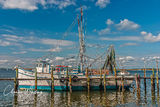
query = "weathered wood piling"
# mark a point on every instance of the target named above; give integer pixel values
(67, 79)
(122, 79)
(157, 78)
(152, 84)
(52, 80)
(101, 79)
(137, 79)
(145, 86)
(104, 80)
(16, 81)
(35, 80)
(70, 83)
(139, 82)
(153, 80)
(88, 80)
(115, 74)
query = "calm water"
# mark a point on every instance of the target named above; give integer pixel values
(74, 99)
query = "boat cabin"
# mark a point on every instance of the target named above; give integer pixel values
(43, 66)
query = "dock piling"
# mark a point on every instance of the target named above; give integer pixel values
(88, 80)
(153, 74)
(35, 80)
(145, 87)
(101, 79)
(52, 80)
(104, 80)
(157, 83)
(70, 83)
(152, 84)
(16, 81)
(139, 82)
(157, 78)
(122, 79)
(67, 79)
(137, 79)
(115, 74)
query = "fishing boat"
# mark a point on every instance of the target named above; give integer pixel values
(79, 75)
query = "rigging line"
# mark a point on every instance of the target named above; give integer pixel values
(60, 41)
(108, 50)
(100, 57)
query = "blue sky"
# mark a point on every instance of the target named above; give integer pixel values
(31, 29)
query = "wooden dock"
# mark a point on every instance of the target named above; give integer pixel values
(137, 78)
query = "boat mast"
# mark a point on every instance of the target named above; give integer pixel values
(81, 41)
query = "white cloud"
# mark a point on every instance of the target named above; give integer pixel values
(71, 60)
(150, 58)
(127, 25)
(61, 3)
(123, 25)
(59, 58)
(32, 40)
(122, 38)
(19, 4)
(149, 37)
(128, 44)
(104, 31)
(21, 52)
(56, 42)
(18, 61)
(44, 50)
(15, 38)
(4, 43)
(3, 61)
(144, 37)
(125, 59)
(109, 22)
(10, 61)
(102, 3)
(8, 43)
(32, 5)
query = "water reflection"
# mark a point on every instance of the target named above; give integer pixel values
(67, 99)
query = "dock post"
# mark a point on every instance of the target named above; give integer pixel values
(70, 83)
(152, 88)
(35, 79)
(139, 82)
(52, 80)
(16, 81)
(145, 80)
(157, 78)
(136, 81)
(122, 79)
(88, 80)
(67, 79)
(153, 74)
(115, 74)
(104, 80)
(152, 84)
(157, 83)
(100, 79)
